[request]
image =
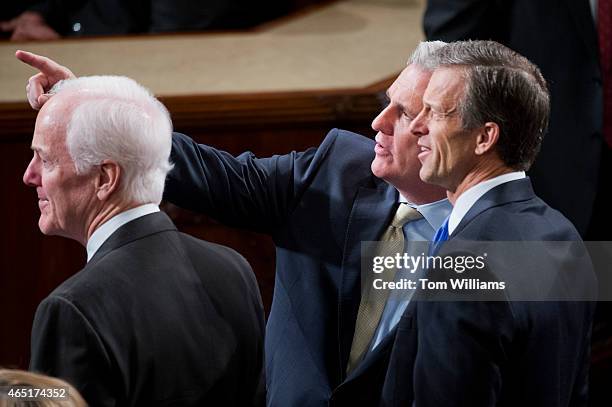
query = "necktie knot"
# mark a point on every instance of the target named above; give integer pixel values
(405, 214)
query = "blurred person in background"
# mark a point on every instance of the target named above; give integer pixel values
(53, 19)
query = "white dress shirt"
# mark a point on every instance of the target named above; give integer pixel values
(110, 226)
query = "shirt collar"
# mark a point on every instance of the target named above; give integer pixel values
(467, 199)
(101, 234)
(435, 213)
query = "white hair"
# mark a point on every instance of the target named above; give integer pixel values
(115, 118)
(423, 55)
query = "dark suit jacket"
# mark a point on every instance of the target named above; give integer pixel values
(503, 353)
(156, 318)
(560, 37)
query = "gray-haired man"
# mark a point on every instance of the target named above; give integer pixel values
(156, 317)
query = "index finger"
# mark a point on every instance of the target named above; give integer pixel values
(43, 64)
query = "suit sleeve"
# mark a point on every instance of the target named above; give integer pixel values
(64, 344)
(453, 20)
(243, 191)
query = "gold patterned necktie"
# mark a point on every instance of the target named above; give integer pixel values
(373, 301)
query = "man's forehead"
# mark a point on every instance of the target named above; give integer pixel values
(411, 80)
(446, 83)
(50, 129)
(447, 78)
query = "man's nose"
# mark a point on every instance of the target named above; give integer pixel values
(31, 176)
(383, 122)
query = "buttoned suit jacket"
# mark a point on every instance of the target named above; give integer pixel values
(155, 318)
(498, 353)
(560, 37)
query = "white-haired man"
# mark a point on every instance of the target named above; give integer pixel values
(156, 317)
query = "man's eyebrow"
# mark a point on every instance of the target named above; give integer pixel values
(37, 149)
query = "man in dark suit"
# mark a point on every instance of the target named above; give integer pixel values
(156, 317)
(319, 205)
(573, 172)
(560, 37)
(484, 113)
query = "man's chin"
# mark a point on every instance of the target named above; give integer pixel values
(379, 169)
(432, 179)
(426, 176)
(45, 228)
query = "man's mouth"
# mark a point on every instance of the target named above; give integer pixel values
(380, 149)
(423, 152)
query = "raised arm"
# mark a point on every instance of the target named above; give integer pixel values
(243, 191)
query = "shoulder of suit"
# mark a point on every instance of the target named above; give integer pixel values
(73, 290)
(526, 220)
(204, 248)
(346, 153)
(345, 138)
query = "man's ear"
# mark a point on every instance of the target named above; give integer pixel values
(107, 180)
(487, 138)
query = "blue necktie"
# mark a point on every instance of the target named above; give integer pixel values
(440, 237)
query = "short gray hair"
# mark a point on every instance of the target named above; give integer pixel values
(115, 118)
(503, 87)
(424, 54)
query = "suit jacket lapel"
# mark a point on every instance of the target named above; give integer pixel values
(580, 12)
(134, 230)
(513, 191)
(370, 203)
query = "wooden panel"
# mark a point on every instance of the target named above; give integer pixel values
(31, 265)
